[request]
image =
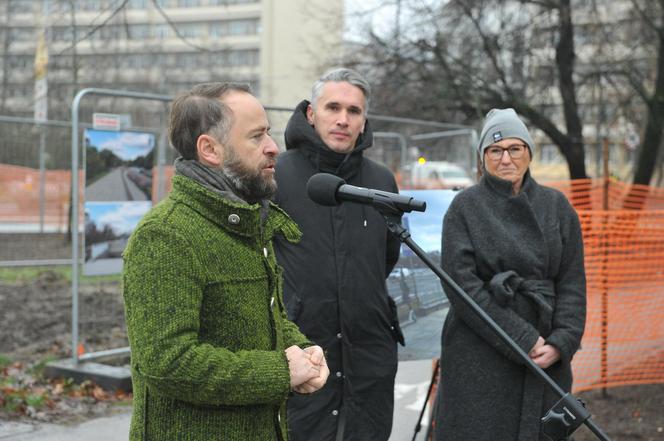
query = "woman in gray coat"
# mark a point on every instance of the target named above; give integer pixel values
(516, 248)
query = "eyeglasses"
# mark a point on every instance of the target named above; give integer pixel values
(515, 151)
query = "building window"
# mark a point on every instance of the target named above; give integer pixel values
(138, 4)
(22, 34)
(234, 27)
(236, 58)
(62, 34)
(188, 60)
(163, 31)
(139, 31)
(20, 61)
(231, 2)
(88, 5)
(137, 61)
(549, 154)
(188, 3)
(191, 30)
(21, 6)
(109, 33)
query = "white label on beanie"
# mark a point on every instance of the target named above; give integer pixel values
(497, 136)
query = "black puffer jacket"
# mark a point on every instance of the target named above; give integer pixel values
(334, 288)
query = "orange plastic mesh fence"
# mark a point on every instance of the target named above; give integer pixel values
(600, 194)
(20, 196)
(624, 258)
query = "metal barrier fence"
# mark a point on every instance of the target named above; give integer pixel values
(37, 160)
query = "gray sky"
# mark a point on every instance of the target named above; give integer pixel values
(380, 14)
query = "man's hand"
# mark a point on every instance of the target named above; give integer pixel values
(301, 367)
(544, 355)
(317, 357)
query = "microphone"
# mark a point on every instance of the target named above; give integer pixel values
(331, 190)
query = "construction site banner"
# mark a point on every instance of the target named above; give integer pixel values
(118, 192)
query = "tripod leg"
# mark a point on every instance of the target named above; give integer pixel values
(432, 418)
(432, 383)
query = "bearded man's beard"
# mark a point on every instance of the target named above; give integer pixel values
(249, 184)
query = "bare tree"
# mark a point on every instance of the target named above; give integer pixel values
(458, 60)
(651, 14)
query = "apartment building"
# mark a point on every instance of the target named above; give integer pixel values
(165, 46)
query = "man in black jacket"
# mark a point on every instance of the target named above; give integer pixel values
(334, 279)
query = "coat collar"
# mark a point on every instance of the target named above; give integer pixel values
(503, 187)
(234, 216)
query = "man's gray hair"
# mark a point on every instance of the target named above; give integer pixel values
(200, 111)
(342, 74)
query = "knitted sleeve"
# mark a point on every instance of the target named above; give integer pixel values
(163, 291)
(292, 334)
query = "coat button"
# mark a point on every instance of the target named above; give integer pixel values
(339, 374)
(339, 335)
(335, 412)
(234, 219)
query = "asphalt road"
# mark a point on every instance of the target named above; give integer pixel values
(115, 186)
(423, 336)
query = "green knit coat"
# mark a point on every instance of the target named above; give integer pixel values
(205, 319)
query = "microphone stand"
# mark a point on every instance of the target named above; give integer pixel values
(569, 412)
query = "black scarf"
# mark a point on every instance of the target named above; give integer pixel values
(210, 178)
(301, 135)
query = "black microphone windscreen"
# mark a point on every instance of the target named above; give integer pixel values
(322, 188)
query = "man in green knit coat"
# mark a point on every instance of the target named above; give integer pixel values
(213, 355)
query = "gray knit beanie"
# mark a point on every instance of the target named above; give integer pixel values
(500, 124)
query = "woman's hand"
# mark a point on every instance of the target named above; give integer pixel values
(544, 355)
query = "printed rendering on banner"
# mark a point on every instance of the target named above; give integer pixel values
(108, 226)
(118, 165)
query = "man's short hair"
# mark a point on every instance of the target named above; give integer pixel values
(342, 74)
(200, 111)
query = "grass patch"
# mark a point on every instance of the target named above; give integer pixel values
(37, 369)
(35, 401)
(28, 273)
(4, 361)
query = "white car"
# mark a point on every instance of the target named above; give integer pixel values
(437, 175)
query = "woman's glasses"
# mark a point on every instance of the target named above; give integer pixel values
(515, 151)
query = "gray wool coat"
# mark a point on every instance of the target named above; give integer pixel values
(485, 391)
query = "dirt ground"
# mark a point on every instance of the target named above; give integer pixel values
(35, 324)
(35, 319)
(25, 246)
